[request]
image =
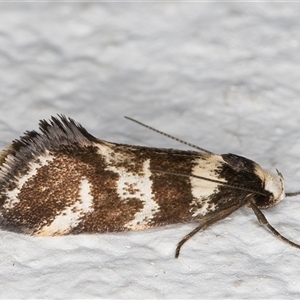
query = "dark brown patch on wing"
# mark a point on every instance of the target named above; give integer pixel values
(110, 212)
(227, 198)
(174, 197)
(172, 193)
(240, 171)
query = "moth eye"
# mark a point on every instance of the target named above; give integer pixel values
(262, 201)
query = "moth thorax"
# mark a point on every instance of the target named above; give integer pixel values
(274, 189)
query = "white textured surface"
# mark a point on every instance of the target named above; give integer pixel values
(224, 76)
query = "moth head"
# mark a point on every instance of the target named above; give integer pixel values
(273, 188)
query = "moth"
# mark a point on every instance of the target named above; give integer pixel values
(64, 180)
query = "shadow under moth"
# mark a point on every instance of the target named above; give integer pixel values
(66, 181)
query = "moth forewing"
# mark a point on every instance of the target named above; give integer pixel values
(65, 181)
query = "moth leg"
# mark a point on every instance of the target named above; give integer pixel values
(187, 237)
(206, 222)
(263, 221)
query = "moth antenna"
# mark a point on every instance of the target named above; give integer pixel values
(292, 194)
(169, 136)
(212, 180)
(263, 221)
